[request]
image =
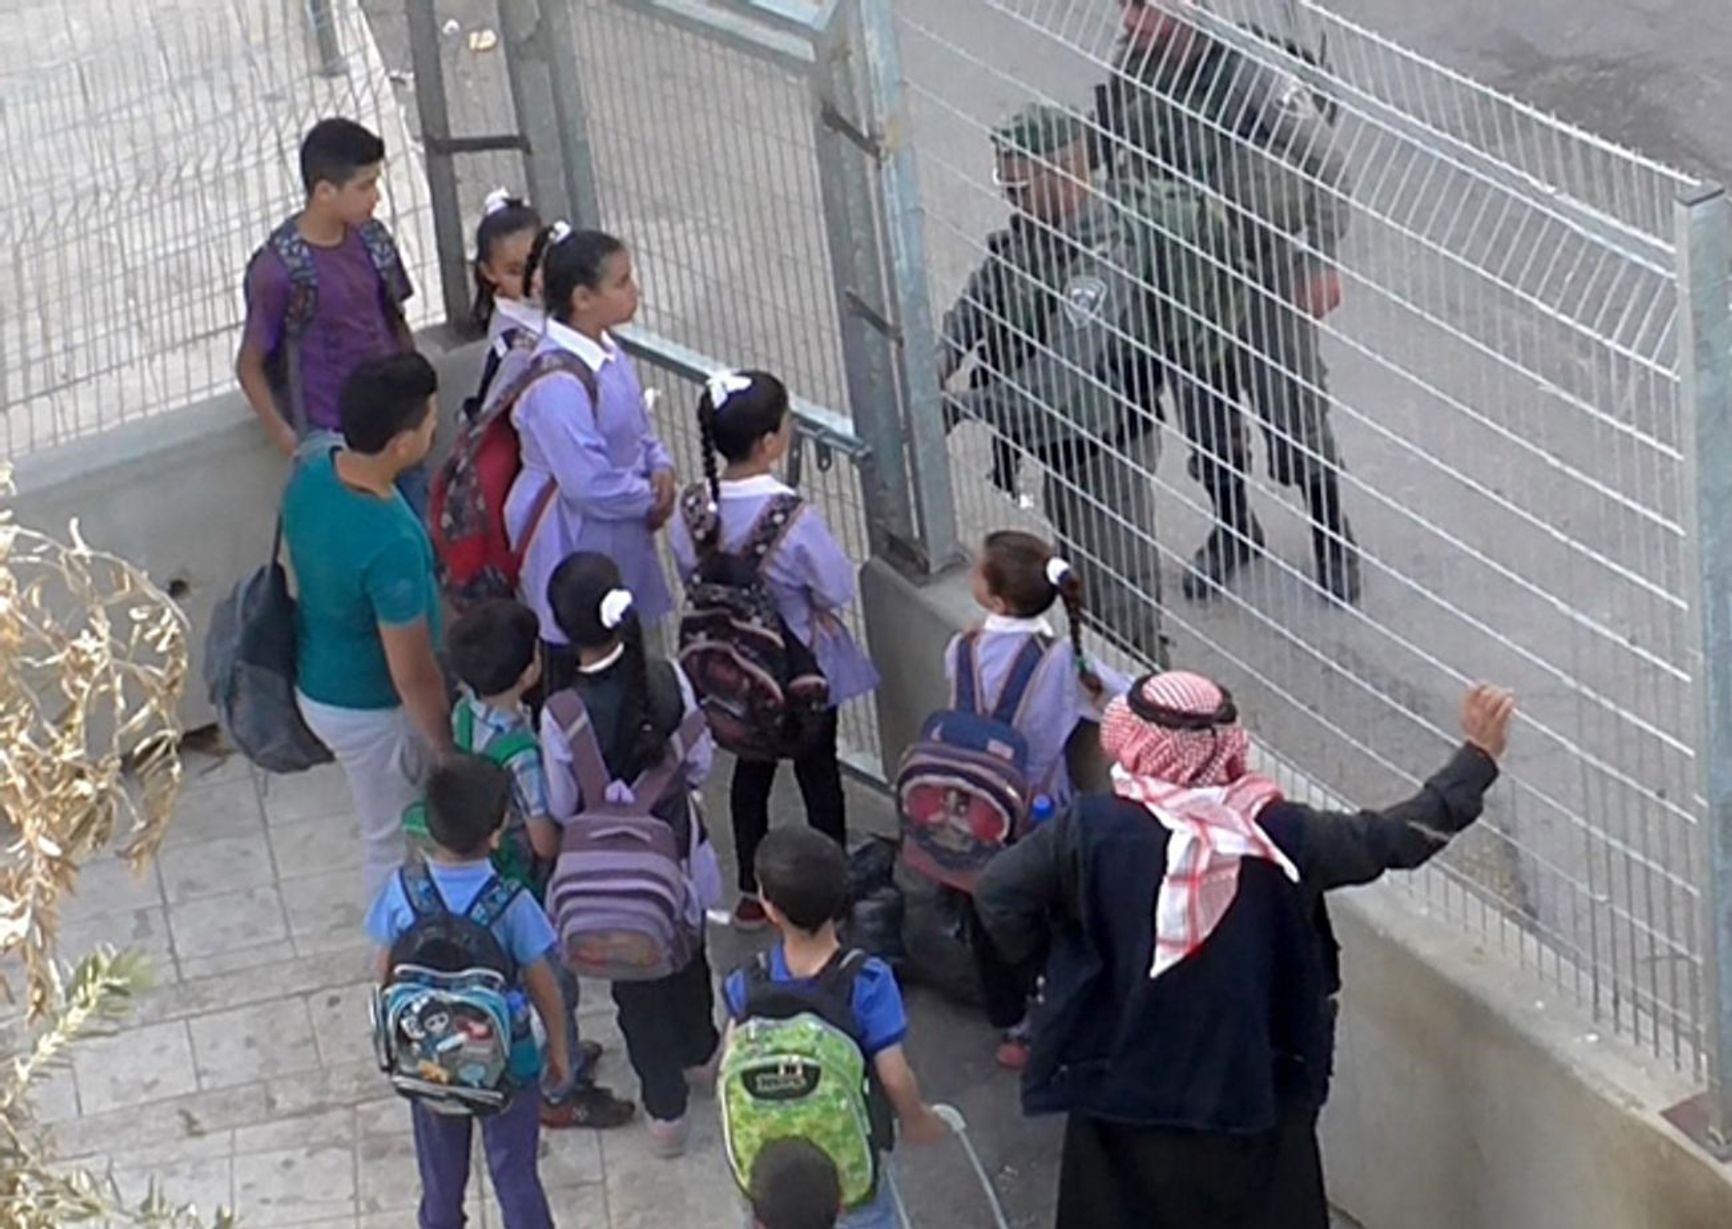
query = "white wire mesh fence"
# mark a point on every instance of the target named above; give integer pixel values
(150, 148)
(1502, 380)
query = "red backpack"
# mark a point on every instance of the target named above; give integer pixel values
(466, 514)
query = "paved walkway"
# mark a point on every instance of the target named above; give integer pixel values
(246, 1077)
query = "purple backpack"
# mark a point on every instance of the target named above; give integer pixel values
(621, 898)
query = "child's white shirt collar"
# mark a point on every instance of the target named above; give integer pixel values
(1005, 623)
(606, 662)
(591, 352)
(757, 484)
(509, 313)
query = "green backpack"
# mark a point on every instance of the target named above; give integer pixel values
(514, 860)
(795, 1068)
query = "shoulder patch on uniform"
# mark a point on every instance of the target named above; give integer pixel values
(1083, 298)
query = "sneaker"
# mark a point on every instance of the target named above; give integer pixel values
(1012, 1052)
(668, 1139)
(749, 914)
(593, 1107)
(588, 1055)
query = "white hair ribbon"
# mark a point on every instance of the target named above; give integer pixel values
(1057, 572)
(725, 384)
(614, 608)
(496, 200)
(559, 232)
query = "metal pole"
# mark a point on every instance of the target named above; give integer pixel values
(566, 83)
(523, 36)
(844, 145)
(324, 23)
(1703, 233)
(905, 224)
(426, 58)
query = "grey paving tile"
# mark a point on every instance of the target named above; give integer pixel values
(389, 1181)
(298, 1184)
(134, 1067)
(253, 1043)
(142, 930)
(106, 884)
(207, 1183)
(313, 846)
(264, 962)
(216, 867)
(341, 1023)
(325, 911)
(326, 1127)
(232, 922)
(214, 811)
(308, 795)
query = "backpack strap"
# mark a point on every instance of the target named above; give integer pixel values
(1022, 671)
(288, 246)
(578, 730)
(652, 784)
(492, 901)
(770, 529)
(420, 890)
(547, 363)
(835, 981)
(387, 263)
(965, 690)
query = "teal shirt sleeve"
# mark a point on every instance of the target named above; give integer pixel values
(396, 584)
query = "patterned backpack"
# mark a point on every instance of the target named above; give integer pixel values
(795, 1066)
(466, 513)
(963, 788)
(450, 1027)
(283, 365)
(621, 897)
(758, 683)
(514, 859)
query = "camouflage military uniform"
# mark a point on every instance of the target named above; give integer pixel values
(1075, 329)
(1256, 134)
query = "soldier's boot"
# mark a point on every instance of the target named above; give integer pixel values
(1236, 539)
(1333, 546)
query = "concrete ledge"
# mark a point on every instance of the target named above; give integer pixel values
(1466, 1096)
(190, 496)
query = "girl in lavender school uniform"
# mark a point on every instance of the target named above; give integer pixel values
(508, 243)
(746, 418)
(614, 480)
(1017, 580)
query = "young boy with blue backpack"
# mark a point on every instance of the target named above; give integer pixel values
(815, 1047)
(495, 651)
(626, 744)
(463, 955)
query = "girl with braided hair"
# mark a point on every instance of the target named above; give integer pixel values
(635, 705)
(1017, 580)
(746, 421)
(1187, 1022)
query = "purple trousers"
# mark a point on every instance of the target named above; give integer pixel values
(511, 1139)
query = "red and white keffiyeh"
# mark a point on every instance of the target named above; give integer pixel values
(1196, 784)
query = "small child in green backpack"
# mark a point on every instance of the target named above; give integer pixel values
(495, 651)
(803, 878)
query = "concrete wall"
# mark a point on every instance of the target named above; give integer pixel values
(189, 496)
(1467, 1097)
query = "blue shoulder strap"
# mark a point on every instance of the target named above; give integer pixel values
(1022, 672)
(387, 262)
(492, 901)
(967, 679)
(420, 890)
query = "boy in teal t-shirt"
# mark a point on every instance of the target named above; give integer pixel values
(494, 650)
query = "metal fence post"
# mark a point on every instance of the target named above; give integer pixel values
(541, 62)
(577, 160)
(1704, 245)
(324, 23)
(846, 147)
(905, 236)
(426, 57)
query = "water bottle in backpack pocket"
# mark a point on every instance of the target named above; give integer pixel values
(795, 1066)
(450, 1024)
(963, 789)
(759, 683)
(621, 897)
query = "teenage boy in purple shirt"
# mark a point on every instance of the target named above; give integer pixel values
(324, 294)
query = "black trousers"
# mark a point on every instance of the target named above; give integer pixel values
(819, 773)
(1118, 1177)
(1006, 987)
(669, 1026)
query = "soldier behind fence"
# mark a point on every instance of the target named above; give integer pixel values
(1093, 296)
(1197, 109)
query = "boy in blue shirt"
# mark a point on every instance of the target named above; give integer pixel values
(467, 799)
(495, 651)
(803, 881)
